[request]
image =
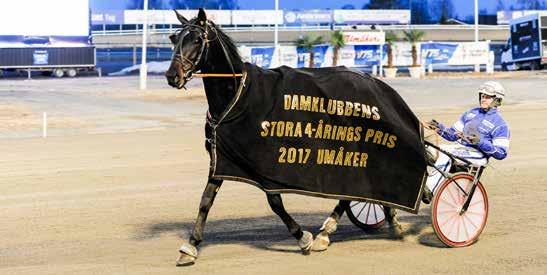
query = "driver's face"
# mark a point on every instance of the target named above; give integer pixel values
(486, 101)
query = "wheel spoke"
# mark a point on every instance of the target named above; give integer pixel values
(451, 228)
(357, 216)
(476, 202)
(470, 221)
(474, 213)
(447, 220)
(449, 203)
(454, 199)
(447, 211)
(356, 203)
(375, 215)
(458, 225)
(465, 228)
(368, 212)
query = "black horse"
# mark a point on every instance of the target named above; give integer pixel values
(201, 46)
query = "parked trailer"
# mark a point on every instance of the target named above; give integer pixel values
(55, 38)
(527, 44)
(56, 61)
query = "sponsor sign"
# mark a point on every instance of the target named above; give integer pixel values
(262, 57)
(367, 55)
(372, 16)
(437, 53)
(220, 17)
(465, 53)
(307, 17)
(40, 57)
(257, 17)
(111, 17)
(360, 38)
(318, 56)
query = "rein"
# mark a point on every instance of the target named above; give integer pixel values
(216, 75)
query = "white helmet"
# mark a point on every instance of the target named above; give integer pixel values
(492, 88)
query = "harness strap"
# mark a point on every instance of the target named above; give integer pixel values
(216, 75)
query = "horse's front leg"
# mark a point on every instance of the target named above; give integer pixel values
(305, 238)
(189, 251)
(322, 241)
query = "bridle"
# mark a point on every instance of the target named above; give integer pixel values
(203, 32)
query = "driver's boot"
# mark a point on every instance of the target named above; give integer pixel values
(427, 195)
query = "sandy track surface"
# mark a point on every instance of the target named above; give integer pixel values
(123, 203)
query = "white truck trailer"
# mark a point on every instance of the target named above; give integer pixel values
(50, 36)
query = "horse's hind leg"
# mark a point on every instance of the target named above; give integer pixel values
(395, 228)
(305, 238)
(188, 251)
(330, 225)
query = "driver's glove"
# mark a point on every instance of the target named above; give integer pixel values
(473, 139)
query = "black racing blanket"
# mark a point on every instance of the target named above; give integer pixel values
(328, 132)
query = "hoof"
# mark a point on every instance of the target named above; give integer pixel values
(306, 242)
(396, 232)
(188, 255)
(185, 260)
(329, 226)
(321, 242)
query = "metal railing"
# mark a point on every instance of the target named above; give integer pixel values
(270, 28)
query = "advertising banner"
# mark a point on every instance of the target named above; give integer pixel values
(437, 53)
(361, 38)
(367, 55)
(402, 53)
(288, 56)
(262, 57)
(346, 56)
(257, 17)
(308, 17)
(109, 17)
(371, 16)
(318, 56)
(464, 53)
(131, 17)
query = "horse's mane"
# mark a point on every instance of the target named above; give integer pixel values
(229, 44)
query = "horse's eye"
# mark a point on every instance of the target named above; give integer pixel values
(196, 41)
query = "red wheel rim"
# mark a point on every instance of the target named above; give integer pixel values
(452, 228)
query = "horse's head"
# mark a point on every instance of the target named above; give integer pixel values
(190, 46)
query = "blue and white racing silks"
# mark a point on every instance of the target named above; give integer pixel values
(494, 142)
(490, 126)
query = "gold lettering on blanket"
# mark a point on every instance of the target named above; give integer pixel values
(329, 106)
(321, 130)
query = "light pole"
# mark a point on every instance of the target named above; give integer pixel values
(276, 26)
(144, 69)
(477, 66)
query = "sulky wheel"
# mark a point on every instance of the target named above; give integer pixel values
(366, 215)
(453, 228)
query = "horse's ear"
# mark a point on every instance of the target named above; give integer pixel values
(180, 17)
(202, 18)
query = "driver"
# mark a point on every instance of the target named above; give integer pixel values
(481, 133)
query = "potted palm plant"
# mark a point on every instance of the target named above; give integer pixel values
(390, 71)
(413, 37)
(337, 42)
(307, 42)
